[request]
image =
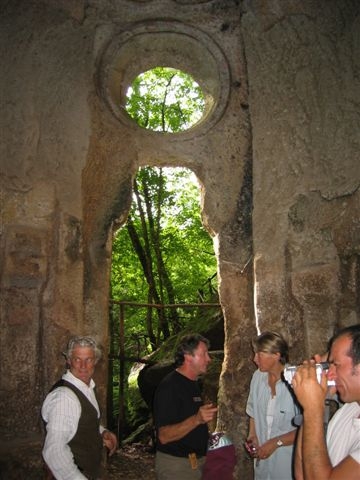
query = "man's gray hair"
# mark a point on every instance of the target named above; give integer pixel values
(80, 341)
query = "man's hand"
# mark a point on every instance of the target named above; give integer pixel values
(109, 441)
(172, 433)
(310, 393)
(206, 413)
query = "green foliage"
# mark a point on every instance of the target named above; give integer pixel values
(163, 255)
(136, 408)
(165, 100)
(186, 246)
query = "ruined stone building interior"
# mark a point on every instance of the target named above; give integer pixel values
(276, 153)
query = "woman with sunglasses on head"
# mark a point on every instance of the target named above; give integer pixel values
(271, 407)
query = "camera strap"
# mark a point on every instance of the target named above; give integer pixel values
(328, 413)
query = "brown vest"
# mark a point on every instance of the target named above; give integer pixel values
(87, 444)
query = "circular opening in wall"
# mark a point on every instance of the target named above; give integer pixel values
(165, 99)
(147, 46)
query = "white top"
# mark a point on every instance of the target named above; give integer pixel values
(270, 414)
(278, 411)
(343, 434)
(61, 411)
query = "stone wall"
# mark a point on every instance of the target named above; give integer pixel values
(277, 155)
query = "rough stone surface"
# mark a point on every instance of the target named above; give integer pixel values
(277, 155)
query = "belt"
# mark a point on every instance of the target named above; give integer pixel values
(187, 455)
(182, 455)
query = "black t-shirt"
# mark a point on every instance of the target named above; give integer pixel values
(176, 399)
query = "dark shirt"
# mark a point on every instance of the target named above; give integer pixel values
(176, 399)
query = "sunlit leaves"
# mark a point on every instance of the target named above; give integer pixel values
(165, 100)
(186, 246)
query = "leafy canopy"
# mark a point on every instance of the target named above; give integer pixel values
(165, 100)
(186, 246)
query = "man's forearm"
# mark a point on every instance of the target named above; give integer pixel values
(171, 433)
(316, 463)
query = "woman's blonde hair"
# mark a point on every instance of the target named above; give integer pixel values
(272, 342)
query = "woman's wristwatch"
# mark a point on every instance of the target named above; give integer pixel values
(279, 443)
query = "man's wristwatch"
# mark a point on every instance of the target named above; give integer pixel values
(279, 443)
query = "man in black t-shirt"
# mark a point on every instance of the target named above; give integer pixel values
(180, 416)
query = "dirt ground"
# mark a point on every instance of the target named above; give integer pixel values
(133, 462)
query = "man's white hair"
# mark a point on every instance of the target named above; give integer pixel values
(82, 341)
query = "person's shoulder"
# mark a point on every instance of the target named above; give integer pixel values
(259, 376)
(346, 412)
(259, 380)
(352, 408)
(62, 391)
(59, 400)
(173, 381)
(168, 378)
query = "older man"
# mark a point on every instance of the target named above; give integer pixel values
(74, 437)
(337, 458)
